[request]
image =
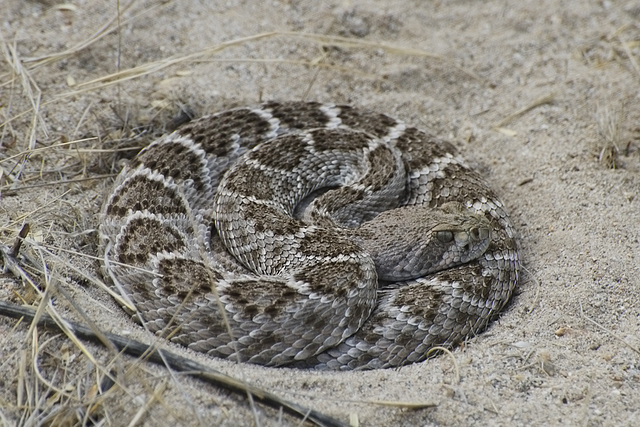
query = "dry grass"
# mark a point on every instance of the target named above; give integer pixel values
(608, 120)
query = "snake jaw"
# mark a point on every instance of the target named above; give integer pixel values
(473, 242)
(461, 244)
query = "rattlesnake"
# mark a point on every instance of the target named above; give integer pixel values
(307, 235)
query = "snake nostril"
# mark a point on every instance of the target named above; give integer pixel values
(485, 233)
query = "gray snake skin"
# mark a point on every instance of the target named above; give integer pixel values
(307, 235)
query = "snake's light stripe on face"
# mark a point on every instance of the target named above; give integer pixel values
(308, 235)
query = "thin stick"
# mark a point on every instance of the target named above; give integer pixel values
(608, 331)
(11, 191)
(538, 102)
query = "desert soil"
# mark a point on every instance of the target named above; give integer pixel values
(542, 97)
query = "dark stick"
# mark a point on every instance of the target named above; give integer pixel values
(174, 361)
(15, 249)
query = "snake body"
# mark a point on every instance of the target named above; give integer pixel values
(307, 235)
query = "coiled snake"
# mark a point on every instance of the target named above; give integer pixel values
(310, 235)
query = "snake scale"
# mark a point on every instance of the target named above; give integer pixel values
(307, 235)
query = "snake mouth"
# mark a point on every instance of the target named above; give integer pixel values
(473, 242)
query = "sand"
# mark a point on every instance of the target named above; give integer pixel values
(542, 97)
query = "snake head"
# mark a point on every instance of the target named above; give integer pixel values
(413, 241)
(467, 233)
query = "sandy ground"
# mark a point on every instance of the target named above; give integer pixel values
(566, 351)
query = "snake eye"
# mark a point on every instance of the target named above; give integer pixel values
(444, 236)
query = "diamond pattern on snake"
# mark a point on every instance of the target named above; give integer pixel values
(307, 235)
